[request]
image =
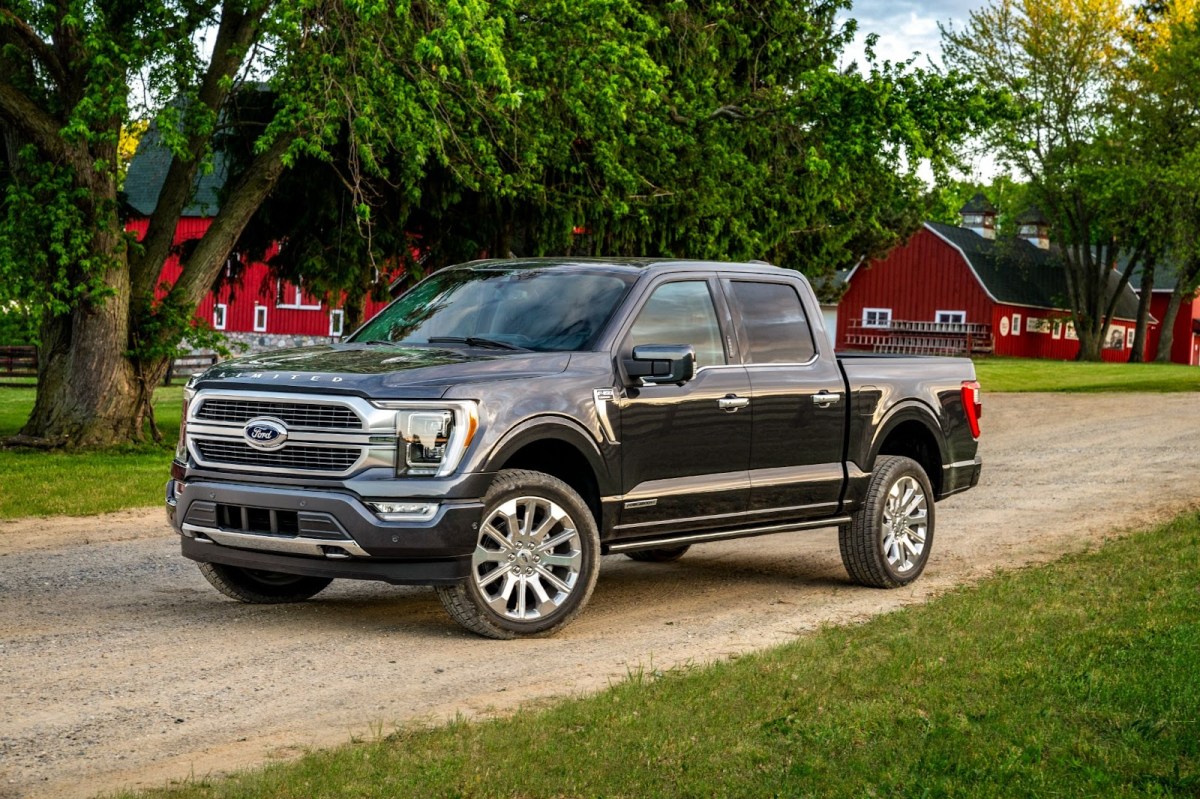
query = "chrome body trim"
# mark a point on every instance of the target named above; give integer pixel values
(295, 545)
(745, 532)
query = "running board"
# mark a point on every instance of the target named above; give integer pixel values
(687, 539)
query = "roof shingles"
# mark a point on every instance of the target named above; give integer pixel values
(1015, 272)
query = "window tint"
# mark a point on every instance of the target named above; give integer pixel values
(680, 313)
(774, 321)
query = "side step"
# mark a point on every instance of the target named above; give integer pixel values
(683, 539)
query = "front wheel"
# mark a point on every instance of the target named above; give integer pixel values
(259, 587)
(535, 562)
(887, 542)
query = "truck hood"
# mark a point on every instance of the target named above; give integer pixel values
(377, 371)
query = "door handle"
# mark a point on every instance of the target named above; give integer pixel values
(731, 402)
(825, 398)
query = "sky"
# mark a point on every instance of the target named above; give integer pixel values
(907, 26)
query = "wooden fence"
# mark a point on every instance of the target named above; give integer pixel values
(17, 362)
(21, 362)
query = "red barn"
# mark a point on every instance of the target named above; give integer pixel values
(257, 310)
(1185, 338)
(958, 290)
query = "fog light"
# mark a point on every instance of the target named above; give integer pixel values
(404, 511)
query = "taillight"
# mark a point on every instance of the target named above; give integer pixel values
(972, 400)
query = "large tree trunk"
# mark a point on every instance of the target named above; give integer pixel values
(1167, 338)
(87, 391)
(1138, 353)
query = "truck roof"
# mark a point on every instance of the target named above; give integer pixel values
(635, 265)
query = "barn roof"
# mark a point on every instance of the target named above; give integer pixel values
(1015, 272)
(148, 171)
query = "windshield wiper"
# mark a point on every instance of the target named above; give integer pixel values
(474, 341)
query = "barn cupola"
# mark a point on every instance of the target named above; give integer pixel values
(1034, 228)
(979, 216)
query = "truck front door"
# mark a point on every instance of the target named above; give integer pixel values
(685, 449)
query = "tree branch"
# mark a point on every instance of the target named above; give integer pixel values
(42, 130)
(251, 188)
(35, 45)
(234, 35)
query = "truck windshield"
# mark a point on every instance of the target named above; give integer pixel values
(503, 308)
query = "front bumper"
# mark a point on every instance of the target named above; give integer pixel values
(322, 533)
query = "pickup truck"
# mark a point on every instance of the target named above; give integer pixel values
(503, 424)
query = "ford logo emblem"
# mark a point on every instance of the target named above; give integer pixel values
(265, 433)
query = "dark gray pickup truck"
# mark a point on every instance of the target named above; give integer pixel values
(503, 424)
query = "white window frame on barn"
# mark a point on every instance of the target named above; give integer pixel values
(260, 319)
(950, 317)
(1016, 324)
(336, 321)
(877, 317)
(220, 315)
(297, 299)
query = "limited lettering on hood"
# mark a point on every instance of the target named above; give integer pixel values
(302, 377)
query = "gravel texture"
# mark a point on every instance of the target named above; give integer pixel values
(123, 668)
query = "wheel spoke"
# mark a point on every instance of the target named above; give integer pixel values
(494, 575)
(550, 522)
(492, 533)
(549, 577)
(557, 541)
(569, 560)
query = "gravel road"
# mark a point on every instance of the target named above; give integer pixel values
(122, 667)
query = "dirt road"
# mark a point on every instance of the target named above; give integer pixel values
(121, 667)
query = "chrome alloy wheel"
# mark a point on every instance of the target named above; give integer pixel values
(528, 559)
(905, 521)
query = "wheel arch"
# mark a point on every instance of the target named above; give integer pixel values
(558, 447)
(911, 430)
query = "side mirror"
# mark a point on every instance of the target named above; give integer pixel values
(662, 363)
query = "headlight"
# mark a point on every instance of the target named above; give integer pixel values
(431, 439)
(181, 452)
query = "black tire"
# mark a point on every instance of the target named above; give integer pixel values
(513, 567)
(663, 555)
(262, 587)
(899, 493)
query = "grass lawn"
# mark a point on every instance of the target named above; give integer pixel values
(1073, 679)
(40, 483)
(1028, 374)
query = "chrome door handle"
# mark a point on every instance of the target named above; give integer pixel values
(825, 399)
(732, 402)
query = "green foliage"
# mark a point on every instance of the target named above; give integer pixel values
(1075, 679)
(705, 130)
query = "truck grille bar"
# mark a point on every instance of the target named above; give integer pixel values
(312, 459)
(294, 414)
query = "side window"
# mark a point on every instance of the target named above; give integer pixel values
(680, 313)
(773, 316)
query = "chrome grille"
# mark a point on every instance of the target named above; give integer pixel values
(294, 414)
(305, 458)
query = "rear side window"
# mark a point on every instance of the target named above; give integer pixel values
(774, 320)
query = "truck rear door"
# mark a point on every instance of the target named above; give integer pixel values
(798, 397)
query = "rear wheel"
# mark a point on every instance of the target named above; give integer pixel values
(259, 587)
(887, 542)
(663, 555)
(535, 562)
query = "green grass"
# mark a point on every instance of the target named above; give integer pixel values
(1074, 679)
(40, 483)
(1028, 374)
